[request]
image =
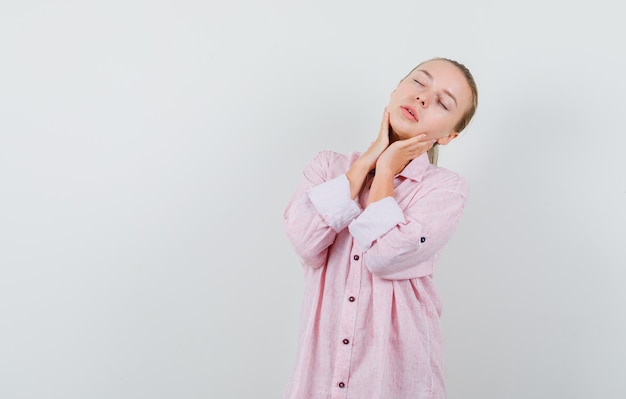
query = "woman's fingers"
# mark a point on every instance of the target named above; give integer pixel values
(413, 142)
(420, 138)
(383, 133)
(369, 157)
(417, 142)
(401, 152)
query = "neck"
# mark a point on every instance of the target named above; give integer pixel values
(393, 137)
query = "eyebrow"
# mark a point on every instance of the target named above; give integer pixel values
(444, 90)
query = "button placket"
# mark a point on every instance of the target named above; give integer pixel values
(343, 356)
(356, 258)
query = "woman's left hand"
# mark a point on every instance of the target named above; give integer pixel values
(401, 152)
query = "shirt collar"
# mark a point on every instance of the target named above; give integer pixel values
(415, 169)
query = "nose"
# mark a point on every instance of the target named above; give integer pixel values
(421, 99)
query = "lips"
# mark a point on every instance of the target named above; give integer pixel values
(410, 112)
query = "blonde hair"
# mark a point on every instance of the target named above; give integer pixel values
(433, 153)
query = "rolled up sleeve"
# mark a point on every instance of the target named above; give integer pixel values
(376, 220)
(403, 244)
(333, 203)
(320, 207)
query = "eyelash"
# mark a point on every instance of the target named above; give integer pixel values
(421, 84)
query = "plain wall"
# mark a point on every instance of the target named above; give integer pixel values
(148, 148)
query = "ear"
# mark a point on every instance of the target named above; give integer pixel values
(446, 139)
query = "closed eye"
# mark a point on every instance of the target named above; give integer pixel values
(443, 105)
(418, 82)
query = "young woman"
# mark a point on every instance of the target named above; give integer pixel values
(368, 229)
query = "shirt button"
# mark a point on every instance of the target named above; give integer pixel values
(341, 385)
(351, 299)
(423, 239)
(346, 341)
(356, 257)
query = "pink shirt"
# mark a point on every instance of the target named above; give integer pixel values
(370, 326)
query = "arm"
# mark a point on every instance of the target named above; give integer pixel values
(323, 206)
(401, 245)
(320, 207)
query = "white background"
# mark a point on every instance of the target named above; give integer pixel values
(148, 148)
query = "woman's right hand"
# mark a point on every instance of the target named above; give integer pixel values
(370, 156)
(367, 161)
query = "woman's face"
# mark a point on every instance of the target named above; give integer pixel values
(431, 100)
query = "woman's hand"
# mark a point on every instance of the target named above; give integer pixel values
(392, 161)
(377, 147)
(401, 152)
(367, 161)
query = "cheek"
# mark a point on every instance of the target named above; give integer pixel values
(440, 125)
(447, 121)
(393, 120)
(393, 99)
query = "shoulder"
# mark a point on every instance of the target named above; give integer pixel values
(447, 179)
(332, 163)
(333, 157)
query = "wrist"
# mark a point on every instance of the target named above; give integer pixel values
(356, 176)
(385, 171)
(361, 166)
(382, 186)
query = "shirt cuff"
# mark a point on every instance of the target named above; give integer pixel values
(332, 201)
(375, 221)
